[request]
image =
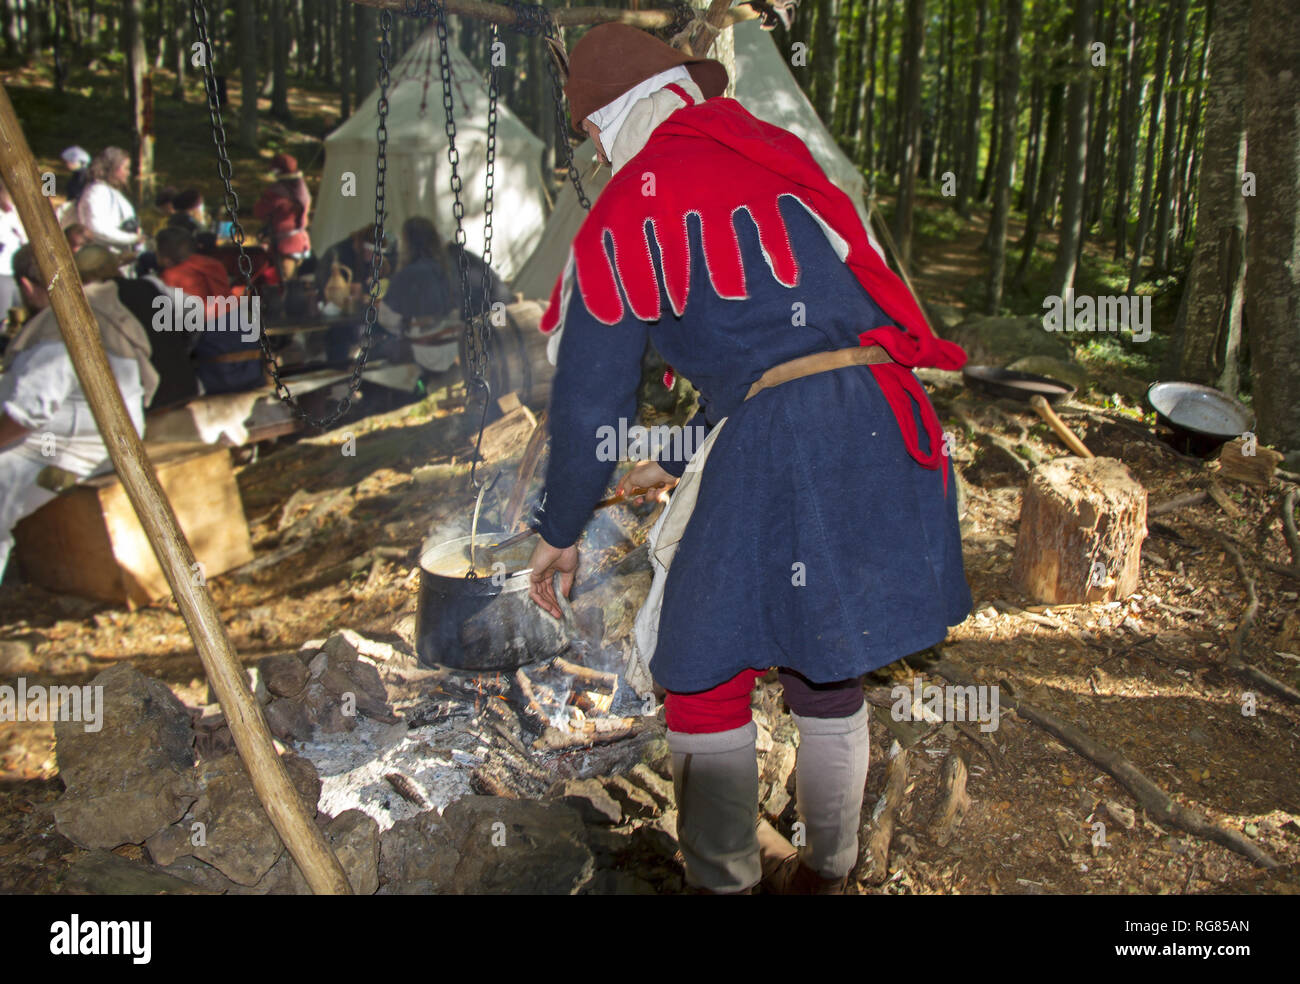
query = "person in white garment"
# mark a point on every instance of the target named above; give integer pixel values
(104, 208)
(47, 430)
(12, 237)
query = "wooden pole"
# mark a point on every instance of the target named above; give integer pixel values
(648, 20)
(293, 820)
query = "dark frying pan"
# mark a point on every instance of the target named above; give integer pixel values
(995, 382)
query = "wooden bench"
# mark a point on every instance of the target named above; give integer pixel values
(88, 541)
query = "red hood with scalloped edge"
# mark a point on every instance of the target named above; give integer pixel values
(713, 159)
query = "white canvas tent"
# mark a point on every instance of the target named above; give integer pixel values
(419, 176)
(764, 86)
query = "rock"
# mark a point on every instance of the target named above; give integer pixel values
(659, 757)
(104, 873)
(589, 798)
(340, 647)
(16, 658)
(518, 847)
(1066, 370)
(635, 801)
(1130, 387)
(170, 844)
(354, 836)
(239, 840)
(133, 777)
(485, 844)
(616, 602)
(326, 710)
(284, 674)
(382, 652)
(203, 875)
(289, 720)
(416, 856)
(351, 676)
(661, 790)
(997, 341)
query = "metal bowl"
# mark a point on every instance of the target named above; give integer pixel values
(996, 382)
(1201, 417)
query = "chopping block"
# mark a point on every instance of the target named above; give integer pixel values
(87, 541)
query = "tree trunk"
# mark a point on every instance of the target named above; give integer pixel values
(1100, 141)
(866, 152)
(1032, 143)
(1174, 96)
(1045, 186)
(1187, 162)
(1008, 85)
(181, 50)
(888, 132)
(1272, 273)
(307, 43)
(366, 58)
(970, 158)
(910, 107)
(1076, 154)
(343, 45)
(1149, 164)
(279, 60)
(133, 45)
(246, 32)
(1208, 333)
(328, 20)
(1128, 105)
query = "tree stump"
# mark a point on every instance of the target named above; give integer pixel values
(1082, 523)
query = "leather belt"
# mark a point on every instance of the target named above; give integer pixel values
(810, 365)
(245, 356)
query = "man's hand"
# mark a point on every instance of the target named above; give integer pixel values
(546, 562)
(647, 475)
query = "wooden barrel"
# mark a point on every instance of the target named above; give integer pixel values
(522, 355)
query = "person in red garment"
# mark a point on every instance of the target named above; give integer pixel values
(227, 353)
(813, 528)
(284, 208)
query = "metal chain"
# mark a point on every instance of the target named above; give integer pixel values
(199, 14)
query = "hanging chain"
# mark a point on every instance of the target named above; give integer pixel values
(535, 20)
(199, 15)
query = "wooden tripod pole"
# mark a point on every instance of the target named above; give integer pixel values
(291, 817)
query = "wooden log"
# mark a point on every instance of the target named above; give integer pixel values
(508, 436)
(1082, 523)
(293, 820)
(530, 371)
(1254, 469)
(885, 816)
(952, 808)
(88, 541)
(527, 468)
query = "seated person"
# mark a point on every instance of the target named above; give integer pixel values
(171, 351)
(155, 216)
(354, 254)
(426, 293)
(46, 426)
(190, 214)
(227, 352)
(419, 300)
(78, 235)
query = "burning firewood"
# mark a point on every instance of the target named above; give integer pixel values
(606, 680)
(592, 731)
(407, 789)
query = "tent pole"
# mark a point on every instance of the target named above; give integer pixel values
(291, 817)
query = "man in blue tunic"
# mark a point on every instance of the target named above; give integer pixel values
(817, 530)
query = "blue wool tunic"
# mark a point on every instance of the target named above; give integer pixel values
(817, 542)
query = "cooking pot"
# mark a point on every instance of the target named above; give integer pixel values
(486, 622)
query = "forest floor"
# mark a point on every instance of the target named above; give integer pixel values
(1146, 677)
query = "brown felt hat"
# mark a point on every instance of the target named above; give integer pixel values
(612, 58)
